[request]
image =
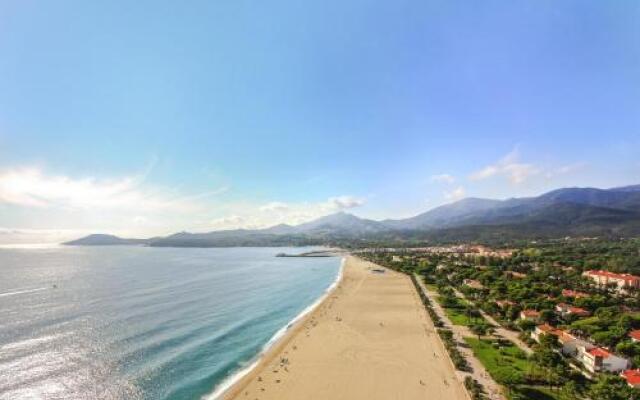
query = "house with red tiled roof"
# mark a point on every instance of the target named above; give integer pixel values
(574, 294)
(632, 376)
(598, 359)
(635, 335)
(516, 275)
(622, 281)
(530, 315)
(504, 303)
(544, 329)
(566, 310)
(472, 283)
(568, 341)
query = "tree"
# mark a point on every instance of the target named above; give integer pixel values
(610, 387)
(472, 313)
(569, 391)
(550, 341)
(526, 325)
(479, 329)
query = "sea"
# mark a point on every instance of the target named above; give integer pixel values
(137, 323)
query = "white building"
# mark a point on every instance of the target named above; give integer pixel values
(569, 342)
(622, 281)
(598, 359)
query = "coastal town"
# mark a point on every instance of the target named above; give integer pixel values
(536, 320)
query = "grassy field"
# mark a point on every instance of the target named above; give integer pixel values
(505, 363)
(508, 364)
(457, 316)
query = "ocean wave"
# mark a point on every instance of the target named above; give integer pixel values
(226, 384)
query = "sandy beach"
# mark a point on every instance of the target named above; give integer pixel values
(370, 339)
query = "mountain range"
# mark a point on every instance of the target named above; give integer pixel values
(559, 213)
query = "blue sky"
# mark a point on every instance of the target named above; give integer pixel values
(149, 117)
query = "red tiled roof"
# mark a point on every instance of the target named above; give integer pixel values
(531, 313)
(578, 310)
(632, 376)
(635, 334)
(613, 275)
(599, 352)
(565, 336)
(547, 328)
(573, 293)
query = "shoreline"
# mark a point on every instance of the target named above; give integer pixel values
(370, 338)
(232, 384)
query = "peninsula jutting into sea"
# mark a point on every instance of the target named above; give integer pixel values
(415, 313)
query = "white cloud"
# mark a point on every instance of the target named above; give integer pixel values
(275, 206)
(277, 212)
(232, 221)
(30, 187)
(344, 202)
(443, 178)
(456, 194)
(509, 167)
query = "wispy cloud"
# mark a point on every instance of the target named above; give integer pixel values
(30, 187)
(566, 169)
(275, 206)
(231, 221)
(455, 194)
(509, 167)
(344, 202)
(443, 178)
(278, 212)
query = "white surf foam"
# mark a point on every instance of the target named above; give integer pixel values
(225, 385)
(22, 292)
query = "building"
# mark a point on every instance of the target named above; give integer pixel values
(622, 281)
(635, 335)
(472, 283)
(566, 310)
(530, 315)
(598, 359)
(516, 275)
(569, 342)
(544, 329)
(632, 376)
(503, 304)
(573, 294)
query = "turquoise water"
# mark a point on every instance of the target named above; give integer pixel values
(143, 323)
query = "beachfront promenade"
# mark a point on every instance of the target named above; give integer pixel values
(370, 339)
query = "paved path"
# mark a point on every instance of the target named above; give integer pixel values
(494, 391)
(512, 336)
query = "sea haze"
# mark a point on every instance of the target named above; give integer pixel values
(132, 322)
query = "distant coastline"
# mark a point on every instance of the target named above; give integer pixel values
(568, 212)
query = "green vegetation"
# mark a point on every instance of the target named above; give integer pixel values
(536, 393)
(505, 363)
(534, 275)
(458, 359)
(474, 388)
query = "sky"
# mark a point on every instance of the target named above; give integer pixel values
(150, 117)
